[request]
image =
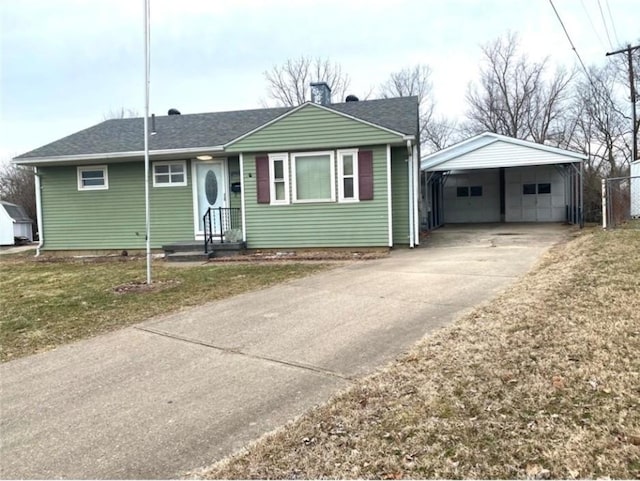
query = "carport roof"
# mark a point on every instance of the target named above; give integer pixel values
(489, 150)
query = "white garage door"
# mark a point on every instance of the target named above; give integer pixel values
(472, 196)
(534, 194)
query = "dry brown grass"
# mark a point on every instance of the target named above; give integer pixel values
(543, 382)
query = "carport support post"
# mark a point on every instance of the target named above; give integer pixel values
(604, 203)
(581, 194)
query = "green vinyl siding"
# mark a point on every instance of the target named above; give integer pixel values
(321, 224)
(400, 195)
(313, 127)
(112, 218)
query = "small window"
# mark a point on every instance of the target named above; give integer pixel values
(475, 191)
(544, 188)
(279, 178)
(169, 174)
(528, 189)
(348, 175)
(94, 177)
(462, 192)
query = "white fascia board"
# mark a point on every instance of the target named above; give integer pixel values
(470, 146)
(113, 156)
(428, 162)
(440, 156)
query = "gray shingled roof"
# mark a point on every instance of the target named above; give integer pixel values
(214, 129)
(16, 212)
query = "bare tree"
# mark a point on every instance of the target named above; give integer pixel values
(17, 185)
(439, 133)
(601, 127)
(435, 132)
(409, 82)
(288, 84)
(121, 113)
(517, 97)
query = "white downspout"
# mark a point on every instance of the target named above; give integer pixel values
(410, 167)
(389, 197)
(39, 212)
(416, 190)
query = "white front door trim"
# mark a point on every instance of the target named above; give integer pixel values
(224, 187)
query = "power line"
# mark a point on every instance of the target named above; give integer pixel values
(586, 71)
(593, 25)
(613, 25)
(604, 22)
(571, 42)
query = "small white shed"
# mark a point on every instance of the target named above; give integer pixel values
(494, 178)
(635, 189)
(14, 222)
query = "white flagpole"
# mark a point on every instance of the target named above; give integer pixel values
(146, 138)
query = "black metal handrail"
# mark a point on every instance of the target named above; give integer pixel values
(220, 222)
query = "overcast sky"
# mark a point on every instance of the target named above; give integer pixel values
(66, 63)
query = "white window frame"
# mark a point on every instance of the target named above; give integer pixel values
(284, 157)
(183, 163)
(332, 175)
(355, 175)
(87, 168)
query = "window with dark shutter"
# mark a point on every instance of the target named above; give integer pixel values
(262, 179)
(365, 174)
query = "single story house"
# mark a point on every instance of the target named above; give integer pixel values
(495, 178)
(317, 175)
(14, 223)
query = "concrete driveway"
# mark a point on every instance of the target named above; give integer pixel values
(183, 390)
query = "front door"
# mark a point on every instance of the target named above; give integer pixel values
(210, 191)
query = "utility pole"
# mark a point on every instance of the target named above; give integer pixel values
(634, 124)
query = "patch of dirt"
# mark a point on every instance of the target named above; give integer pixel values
(141, 286)
(304, 256)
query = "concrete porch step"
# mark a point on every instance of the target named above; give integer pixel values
(194, 250)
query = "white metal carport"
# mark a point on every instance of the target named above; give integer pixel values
(495, 178)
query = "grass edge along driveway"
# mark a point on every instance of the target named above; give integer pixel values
(49, 302)
(543, 382)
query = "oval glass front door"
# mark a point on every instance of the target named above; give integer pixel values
(211, 187)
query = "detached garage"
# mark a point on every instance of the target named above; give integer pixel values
(14, 224)
(494, 178)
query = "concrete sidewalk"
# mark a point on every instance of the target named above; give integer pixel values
(186, 389)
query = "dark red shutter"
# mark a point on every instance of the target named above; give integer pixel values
(262, 179)
(365, 174)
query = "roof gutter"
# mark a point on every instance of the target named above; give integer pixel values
(114, 155)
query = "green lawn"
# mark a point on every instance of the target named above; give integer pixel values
(48, 302)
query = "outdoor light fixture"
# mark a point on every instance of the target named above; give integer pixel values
(204, 157)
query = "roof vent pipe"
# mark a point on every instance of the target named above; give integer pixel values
(321, 93)
(153, 124)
